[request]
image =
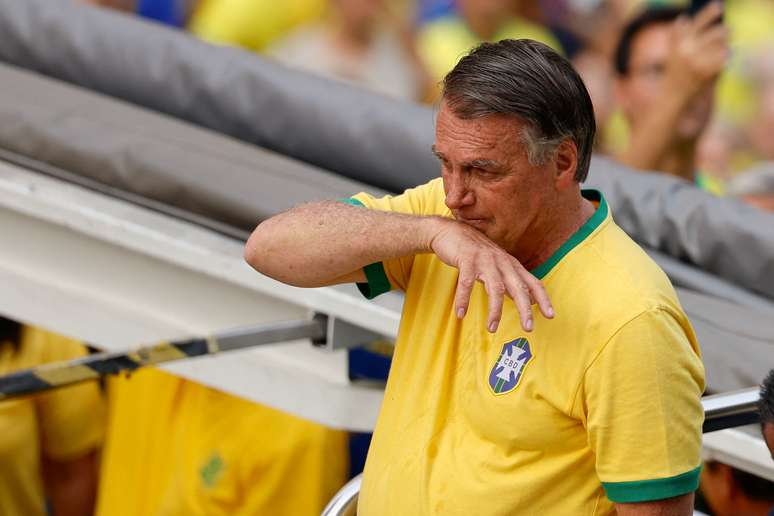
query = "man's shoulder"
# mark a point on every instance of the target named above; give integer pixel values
(618, 278)
(425, 199)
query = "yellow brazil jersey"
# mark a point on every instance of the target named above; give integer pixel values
(61, 424)
(179, 448)
(599, 405)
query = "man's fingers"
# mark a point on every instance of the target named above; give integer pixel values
(715, 37)
(680, 27)
(520, 293)
(539, 295)
(501, 275)
(522, 300)
(707, 16)
(495, 290)
(465, 282)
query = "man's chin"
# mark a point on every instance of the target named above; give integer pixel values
(479, 224)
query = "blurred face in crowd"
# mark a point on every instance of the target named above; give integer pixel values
(729, 494)
(761, 127)
(643, 88)
(361, 15)
(488, 180)
(763, 202)
(486, 8)
(597, 74)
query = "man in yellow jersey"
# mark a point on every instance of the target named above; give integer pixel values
(176, 447)
(593, 410)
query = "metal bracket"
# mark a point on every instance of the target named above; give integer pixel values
(340, 334)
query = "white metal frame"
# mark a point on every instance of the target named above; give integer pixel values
(117, 275)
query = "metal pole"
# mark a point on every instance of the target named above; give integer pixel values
(344, 503)
(58, 374)
(731, 409)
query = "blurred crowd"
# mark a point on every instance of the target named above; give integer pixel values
(153, 444)
(674, 91)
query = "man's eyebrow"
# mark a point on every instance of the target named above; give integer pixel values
(483, 164)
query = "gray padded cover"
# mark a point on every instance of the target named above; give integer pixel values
(153, 156)
(322, 122)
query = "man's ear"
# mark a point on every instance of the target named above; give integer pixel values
(566, 164)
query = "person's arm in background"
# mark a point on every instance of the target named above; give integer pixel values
(121, 5)
(330, 242)
(700, 51)
(677, 506)
(71, 485)
(71, 421)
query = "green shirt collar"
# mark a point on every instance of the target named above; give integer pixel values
(579, 236)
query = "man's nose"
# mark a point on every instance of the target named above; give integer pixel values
(458, 194)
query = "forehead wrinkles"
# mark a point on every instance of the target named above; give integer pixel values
(485, 133)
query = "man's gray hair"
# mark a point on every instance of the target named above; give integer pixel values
(531, 81)
(539, 148)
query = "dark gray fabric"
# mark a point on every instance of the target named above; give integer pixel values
(322, 122)
(720, 235)
(737, 343)
(154, 156)
(693, 278)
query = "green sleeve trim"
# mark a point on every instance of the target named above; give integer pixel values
(650, 490)
(352, 201)
(377, 282)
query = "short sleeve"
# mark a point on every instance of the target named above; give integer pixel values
(423, 200)
(71, 418)
(642, 408)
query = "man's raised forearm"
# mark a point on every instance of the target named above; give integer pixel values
(315, 244)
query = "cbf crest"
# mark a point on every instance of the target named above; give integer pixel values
(507, 371)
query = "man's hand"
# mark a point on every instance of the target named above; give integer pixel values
(480, 259)
(700, 52)
(309, 246)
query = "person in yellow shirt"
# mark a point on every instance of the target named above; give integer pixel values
(48, 441)
(441, 42)
(489, 408)
(178, 448)
(251, 24)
